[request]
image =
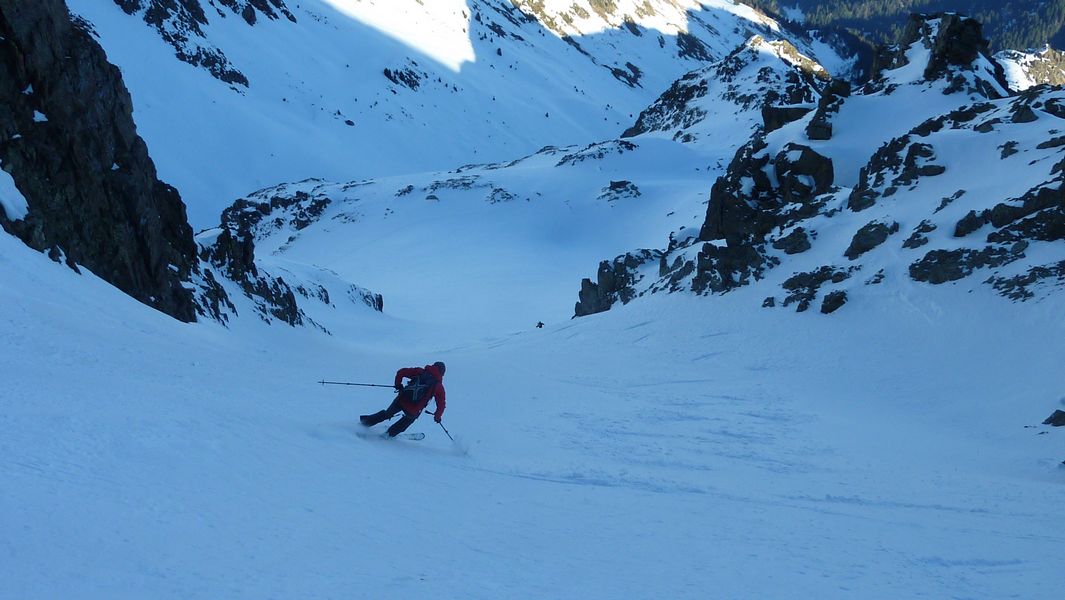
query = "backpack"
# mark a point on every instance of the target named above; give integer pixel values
(420, 386)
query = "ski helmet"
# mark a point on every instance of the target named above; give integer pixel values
(440, 365)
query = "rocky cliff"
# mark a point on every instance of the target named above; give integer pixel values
(68, 141)
(78, 182)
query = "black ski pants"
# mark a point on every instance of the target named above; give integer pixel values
(383, 415)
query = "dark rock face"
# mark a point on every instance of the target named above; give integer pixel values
(68, 139)
(959, 42)
(631, 74)
(820, 127)
(720, 269)
(619, 190)
(671, 108)
(1024, 114)
(1019, 287)
(1038, 215)
(406, 77)
(180, 23)
(745, 208)
(941, 266)
(795, 242)
(897, 164)
(298, 211)
(729, 216)
(868, 237)
(918, 238)
(798, 167)
(954, 46)
(232, 252)
(234, 255)
(1057, 419)
(775, 117)
(970, 223)
(802, 288)
(689, 46)
(833, 301)
(614, 283)
(796, 82)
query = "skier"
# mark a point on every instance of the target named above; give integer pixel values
(425, 382)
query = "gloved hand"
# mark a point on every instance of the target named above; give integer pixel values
(436, 418)
(398, 387)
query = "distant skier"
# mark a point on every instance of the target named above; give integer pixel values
(425, 383)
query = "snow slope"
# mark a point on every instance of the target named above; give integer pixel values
(356, 89)
(505, 241)
(967, 175)
(671, 448)
(674, 447)
(536, 224)
(1027, 69)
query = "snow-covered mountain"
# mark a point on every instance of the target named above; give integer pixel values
(689, 444)
(806, 210)
(935, 150)
(233, 96)
(595, 199)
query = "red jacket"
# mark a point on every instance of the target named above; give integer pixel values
(414, 406)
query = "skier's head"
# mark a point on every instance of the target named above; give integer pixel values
(440, 365)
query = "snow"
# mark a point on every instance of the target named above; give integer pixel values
(308, 79)
(11, 200)
(1016, 76)
(147, 458)
(917, 57)
(1016, 66)
(543, 234)
(436, 29)
(865, 122)
(674, 447)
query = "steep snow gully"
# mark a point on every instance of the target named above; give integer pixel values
(658, 450)
(675, 446)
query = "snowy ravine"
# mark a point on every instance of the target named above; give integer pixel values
(669, 448)
(361, 88)
(678, 446)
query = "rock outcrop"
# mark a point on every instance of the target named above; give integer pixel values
(1028, 69)
(180, 23)
(957, 52)
(979, 185)
(68, 140)
(765, 78)
(1056, 420)
(231, 249)
(614, 283)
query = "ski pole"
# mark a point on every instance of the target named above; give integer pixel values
(442, 427)
(360, 384)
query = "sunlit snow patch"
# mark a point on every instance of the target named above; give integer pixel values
(438, 29)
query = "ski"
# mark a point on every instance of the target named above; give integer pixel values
(384, 436)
